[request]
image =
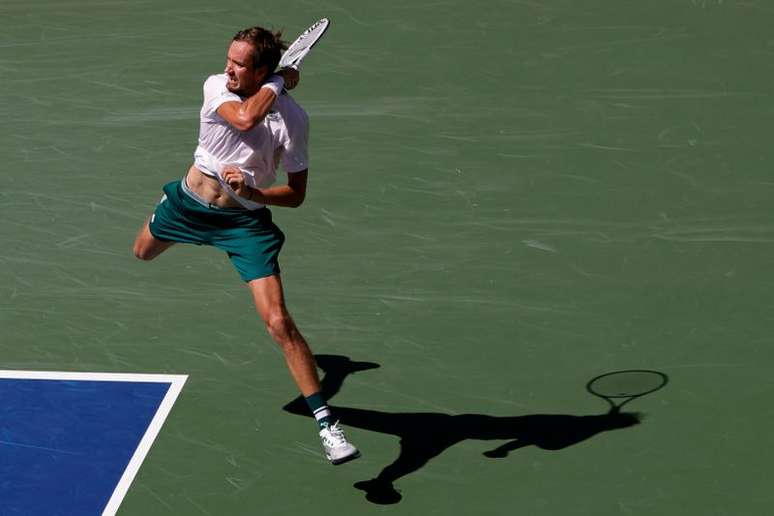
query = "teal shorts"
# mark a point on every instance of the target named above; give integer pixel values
(250, 238)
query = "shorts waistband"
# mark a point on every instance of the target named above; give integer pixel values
(198, 199)
(193, 195)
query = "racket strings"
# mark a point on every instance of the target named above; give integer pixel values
(303, 44)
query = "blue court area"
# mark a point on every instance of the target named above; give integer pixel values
(65, 445)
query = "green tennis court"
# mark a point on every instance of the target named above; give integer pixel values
(506, 199)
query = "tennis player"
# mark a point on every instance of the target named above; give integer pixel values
(249, 126)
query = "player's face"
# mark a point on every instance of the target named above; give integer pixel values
(243, 78)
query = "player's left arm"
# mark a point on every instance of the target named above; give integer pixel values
(290, 195)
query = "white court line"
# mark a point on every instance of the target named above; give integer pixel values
(175, 381)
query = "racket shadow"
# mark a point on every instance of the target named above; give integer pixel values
(425, 435)
(618, 388)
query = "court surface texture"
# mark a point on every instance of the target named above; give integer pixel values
(506, 199)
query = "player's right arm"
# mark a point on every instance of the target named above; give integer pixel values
(246, 115)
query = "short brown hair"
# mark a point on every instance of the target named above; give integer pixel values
(268, 46)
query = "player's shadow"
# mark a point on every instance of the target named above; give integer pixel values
(424, 435)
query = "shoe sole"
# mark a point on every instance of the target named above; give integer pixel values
(344, 459)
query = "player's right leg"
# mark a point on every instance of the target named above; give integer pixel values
(270, 304)
(146, 246)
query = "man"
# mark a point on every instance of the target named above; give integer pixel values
(247, 127)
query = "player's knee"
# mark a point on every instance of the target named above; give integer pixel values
(279, 325)
(143, 252)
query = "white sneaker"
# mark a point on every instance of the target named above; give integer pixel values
(337, 448)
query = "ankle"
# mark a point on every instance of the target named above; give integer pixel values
(320, 410)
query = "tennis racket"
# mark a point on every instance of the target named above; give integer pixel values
(298, 50)
(620, 387)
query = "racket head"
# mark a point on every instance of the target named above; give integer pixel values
(298, 50)
(631, 383)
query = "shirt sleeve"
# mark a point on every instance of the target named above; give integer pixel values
(216, 94)
(295, 155)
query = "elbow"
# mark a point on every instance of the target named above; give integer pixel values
(243, 121)
(244, 124)
(298, 200)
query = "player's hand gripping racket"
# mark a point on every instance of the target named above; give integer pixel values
(298, 50)
(620, 387)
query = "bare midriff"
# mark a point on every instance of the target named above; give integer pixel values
(209, 189)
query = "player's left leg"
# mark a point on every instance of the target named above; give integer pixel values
(270, 303)
(148, 247)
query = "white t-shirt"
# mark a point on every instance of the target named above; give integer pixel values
(281, 137)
